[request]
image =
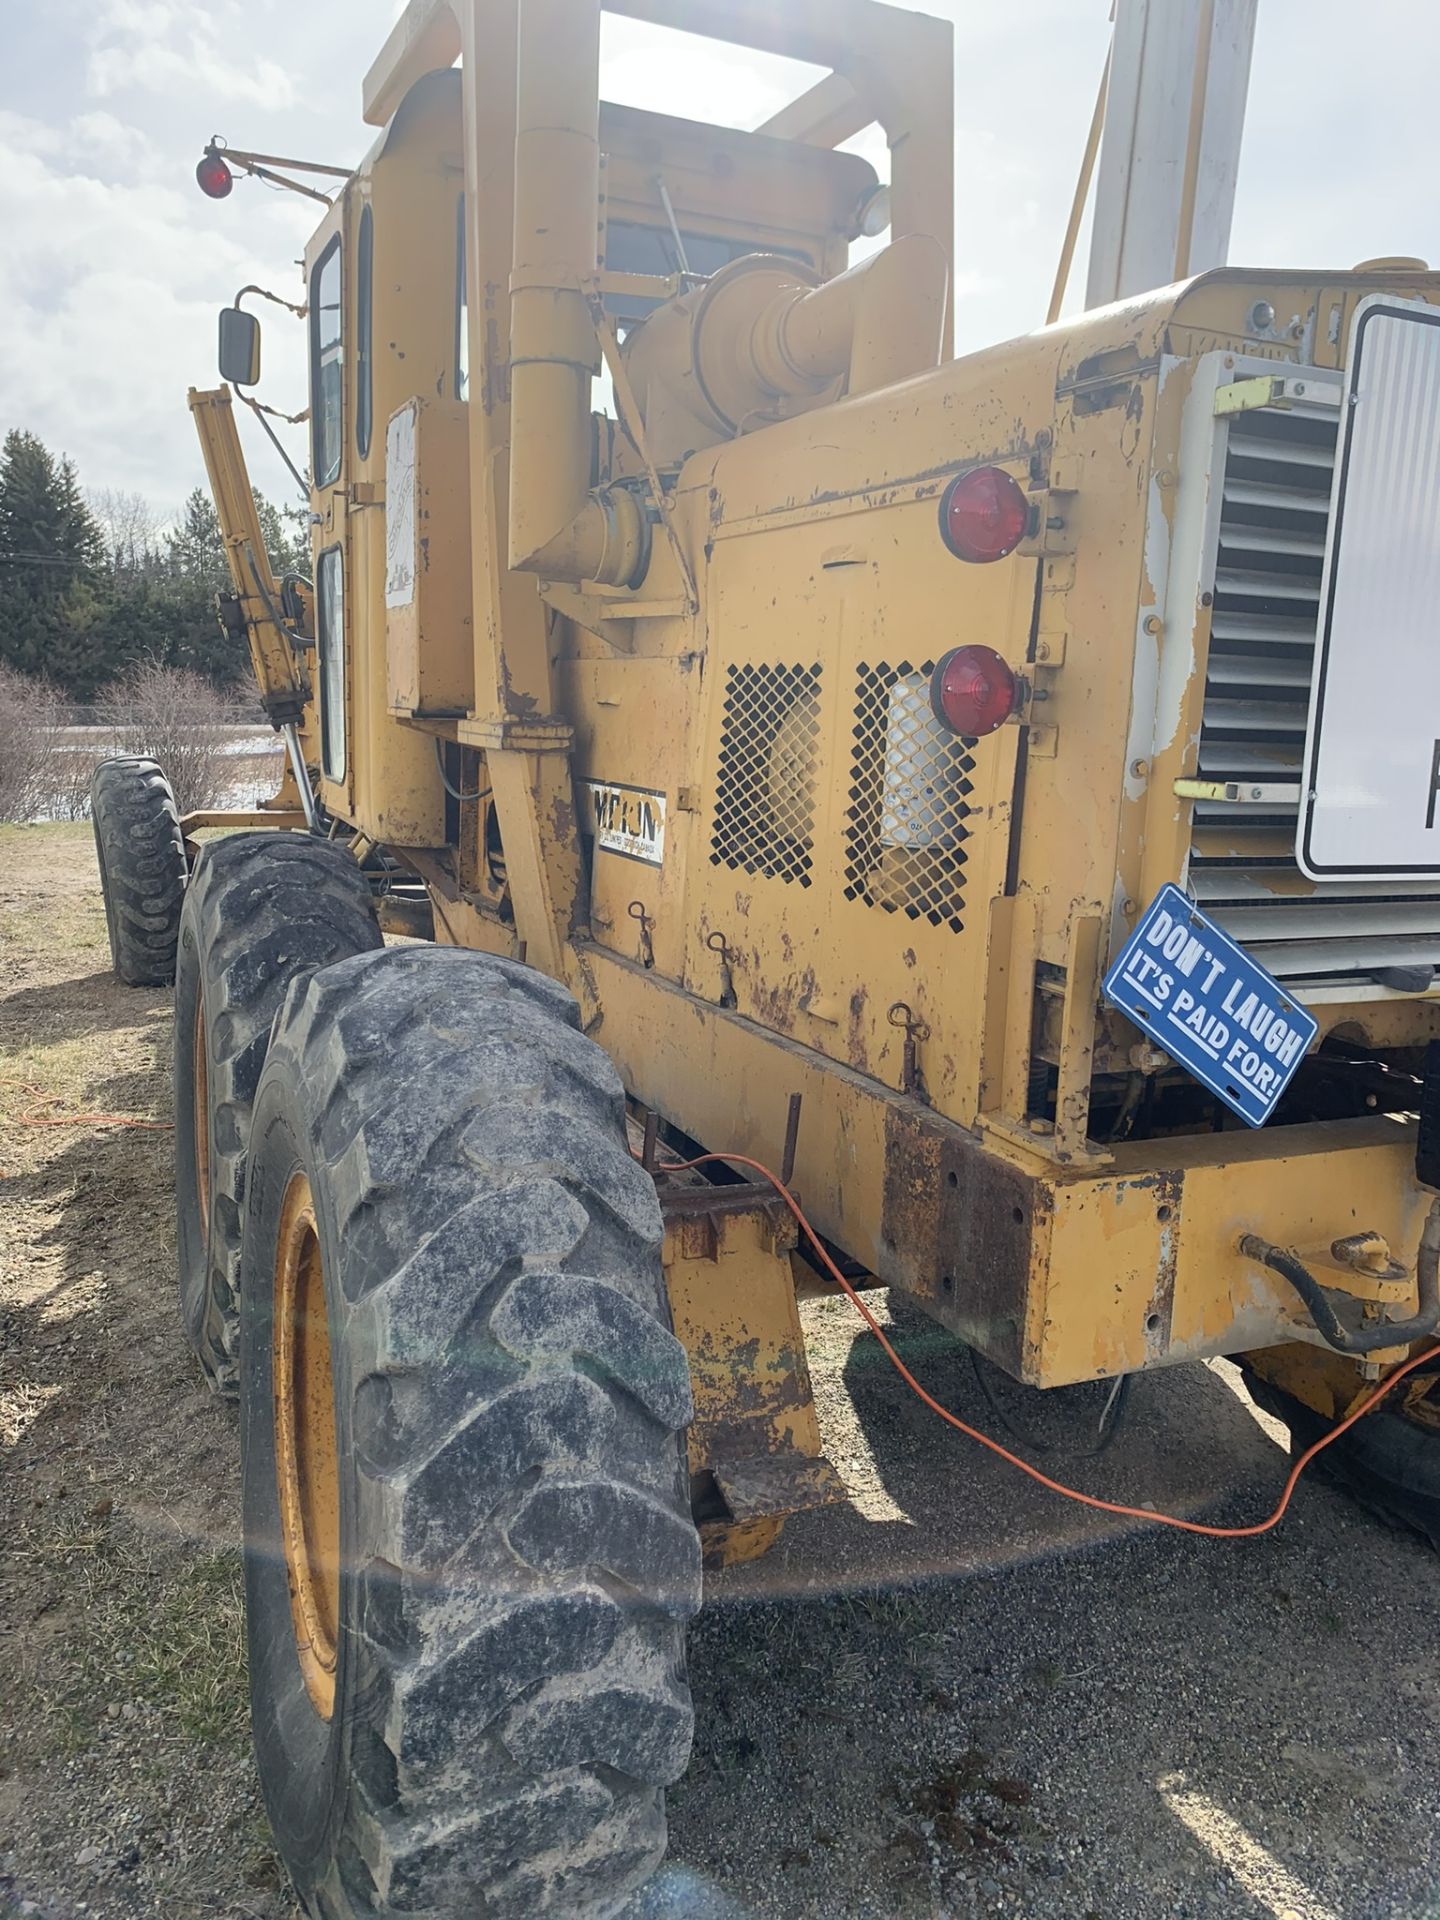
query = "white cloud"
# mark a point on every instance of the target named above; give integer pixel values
(113, 145)
(112, 293)
(114, 264)
(160, 46)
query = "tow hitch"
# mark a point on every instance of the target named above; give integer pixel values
(1330, 1307)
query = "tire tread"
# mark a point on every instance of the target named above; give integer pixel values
(264, 909)
(141, 852)
(525, 1689)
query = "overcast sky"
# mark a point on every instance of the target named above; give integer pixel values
(112, 263)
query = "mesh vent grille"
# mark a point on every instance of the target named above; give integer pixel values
(909, 793)
(765, 791)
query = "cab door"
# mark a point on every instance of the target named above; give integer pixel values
(326, 264)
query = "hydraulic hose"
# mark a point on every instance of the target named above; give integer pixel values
(1319, 1305)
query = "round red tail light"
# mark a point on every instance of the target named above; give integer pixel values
(214, 177)
(984, 515)
(973, 691)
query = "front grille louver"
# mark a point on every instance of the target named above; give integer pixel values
(1275, 513)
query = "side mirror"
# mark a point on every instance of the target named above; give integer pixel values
(239, 347)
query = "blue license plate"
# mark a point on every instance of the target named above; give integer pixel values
(1206, 1003)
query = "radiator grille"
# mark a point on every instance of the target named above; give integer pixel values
(765, 788)
(1274, 520)
(908, 803)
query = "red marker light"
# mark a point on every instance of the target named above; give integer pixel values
(984, 515)
(973, 692)
(214, 177)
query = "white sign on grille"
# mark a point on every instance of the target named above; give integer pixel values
(1370, 794)
(400, 508)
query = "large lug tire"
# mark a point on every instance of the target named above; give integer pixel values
(1389, 1463)
(496, 1697)
(263, 909)
(141, 853)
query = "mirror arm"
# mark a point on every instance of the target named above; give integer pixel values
(277, 179)
(265, 294)
(244, 158)
(291, 419)
(277, 413)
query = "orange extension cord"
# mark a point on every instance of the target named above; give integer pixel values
(34, 1118)
(1014, 1460)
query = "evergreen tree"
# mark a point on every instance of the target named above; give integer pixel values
(287, 536)
(194, 551)
(79, 603)
(51, 569)
(195, 570)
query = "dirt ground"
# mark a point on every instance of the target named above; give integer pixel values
(957, 1695)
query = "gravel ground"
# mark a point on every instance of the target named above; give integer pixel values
(956, 1695)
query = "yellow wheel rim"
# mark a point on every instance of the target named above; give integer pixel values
(306, 1467)
(200, 1095)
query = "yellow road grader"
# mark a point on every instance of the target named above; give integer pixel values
(968, 794)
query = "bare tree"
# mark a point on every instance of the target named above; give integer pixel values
(78, 751)
(129, 525)
(184, 722)
(32, 718)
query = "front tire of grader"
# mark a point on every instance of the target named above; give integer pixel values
(263, 909)
(469, 1554)
(1388, 1463)
(141, 855)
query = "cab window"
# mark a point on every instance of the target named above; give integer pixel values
(326, 366)
(330, 643)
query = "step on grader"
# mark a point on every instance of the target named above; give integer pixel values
(777, 761)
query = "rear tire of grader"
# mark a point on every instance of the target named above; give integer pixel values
(1388, 1463)
(263, 909)
(141, 853)
(469, 1553)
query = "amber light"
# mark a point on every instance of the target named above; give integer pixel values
(984, 515)
(973, 691)
(214, 177)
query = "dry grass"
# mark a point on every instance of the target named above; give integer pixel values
(161, 1628)
(123, 1693)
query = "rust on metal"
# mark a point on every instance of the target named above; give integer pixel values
(792, 1138)
(956, 1228)
(755, 1449)
(411, 918)
(1165, 1192)
(777, 1485)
